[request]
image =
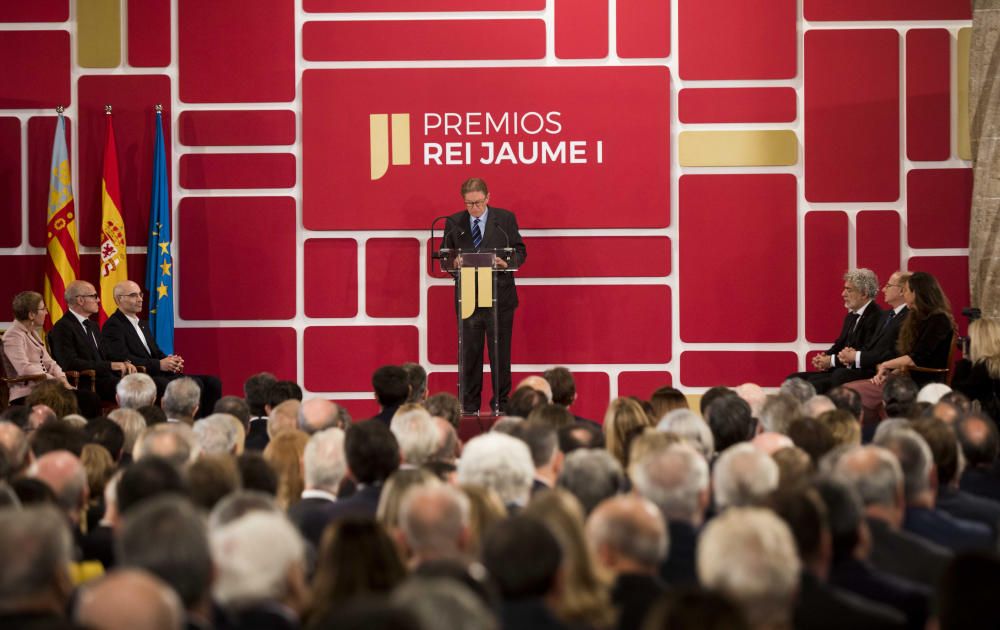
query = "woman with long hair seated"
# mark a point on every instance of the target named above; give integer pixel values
(978, 376)
(925, 340)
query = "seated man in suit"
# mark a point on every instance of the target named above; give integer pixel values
(74, 343)
(126, 338)
(856, 363)
(860, 324)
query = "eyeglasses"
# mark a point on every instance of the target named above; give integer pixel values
(889, 284)
(92, 296)
(476, 204)
(139, 295)
(41, 309)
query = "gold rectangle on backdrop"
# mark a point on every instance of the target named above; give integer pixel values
(738, 148)
(485, 287)
(99, 33)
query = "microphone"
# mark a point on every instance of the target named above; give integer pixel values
(447, 219)
(508, 248)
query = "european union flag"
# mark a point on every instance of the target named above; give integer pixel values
(159, 262)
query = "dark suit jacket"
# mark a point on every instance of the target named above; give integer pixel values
(362, 504)
(907, 555)
(861, 578)
(308, 516)
(257, 437)
(679, 567)
(72, 349)
(633, 595)
(858, 337)
(969, 507)
(119, 342)
(525, 614)
(946, 530)
(501, 231)
(982, 482)
(820, 606)
(882, 346)
(974, 380)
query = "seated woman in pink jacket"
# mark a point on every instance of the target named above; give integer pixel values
(23, 350)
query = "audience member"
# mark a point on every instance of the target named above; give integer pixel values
(126, 599)
(778, 412)
(236, 407)
(57, 435)
(181, 556)
(64, 473)
(217, 434)
(210, 479)
(255, 390)
(844, 427)
(172, 441)
(181, 399)
(524, 400)
(813, 437)
(817, 405)
(798, 388)
(260, 571)
(768, 443)
(630, 540)
(324, 468)
(356, 559)
(416, 378)
(135, 390)
(730, 421)
(35, 584)
(257, 474)
(977, 435)
(444, 405)
(146, 478)
(676, 481)
(623, 420)
(501, 463)
(748, 554)
(689, 427)
(920, 485)
(666, 399)
(586, 595)
(543, 444)
(392, 388)
(284, 452)
(396, 487)
(416, 434)
(591, 475)
(743, 476)
(283, 417)
(434, 523)
(711, 395)
(966, 592)
(795, 467)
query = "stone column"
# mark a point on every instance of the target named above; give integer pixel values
(984, 129)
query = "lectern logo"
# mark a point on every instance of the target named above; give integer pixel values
(382, 138)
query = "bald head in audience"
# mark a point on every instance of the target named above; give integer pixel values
(628, 534)
(537, 383)
(129, 599)
(63, 472)
(318, 414)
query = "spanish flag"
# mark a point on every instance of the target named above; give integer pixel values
(64, 247)
(114, 267)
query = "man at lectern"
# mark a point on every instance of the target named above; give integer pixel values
(482, 227)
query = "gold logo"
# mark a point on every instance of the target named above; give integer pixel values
(381, 138)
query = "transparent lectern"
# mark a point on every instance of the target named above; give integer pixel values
(476, 273)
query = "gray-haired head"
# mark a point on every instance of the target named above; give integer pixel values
(180, 400)
(779, 411)
(499, 462)
(416, 433)
(36, 548)
(676, 480)
(173, 441)
(132, 423)
(239, 504)
(217, 434)
(255, 558)
(168, 537)
(874, 474)
(632, 527)
(135, 390)
(915, 460)
(690, 428)
(864, 280)
(743, 476)
(324, 461)
(798, 388)
(444, 604)
(591, 475)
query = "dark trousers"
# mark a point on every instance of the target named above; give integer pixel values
(477, 331)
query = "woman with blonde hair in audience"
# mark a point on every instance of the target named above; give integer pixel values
(284, 453)
(978, 376)
(485, 510)
(586, 588)
(357, 557)
(624, 419)
(100, 468)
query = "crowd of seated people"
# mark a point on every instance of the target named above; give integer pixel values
(751, 509)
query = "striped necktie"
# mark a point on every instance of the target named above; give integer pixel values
(477, 235)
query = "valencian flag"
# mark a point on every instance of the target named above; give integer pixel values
(114, 268)
(159, 264)
(64, 247)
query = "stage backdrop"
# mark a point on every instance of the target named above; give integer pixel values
(691, 177)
